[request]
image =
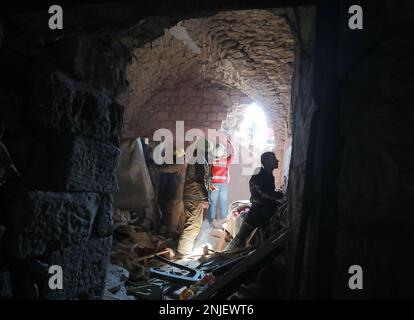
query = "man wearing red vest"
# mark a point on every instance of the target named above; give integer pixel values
(220, 179)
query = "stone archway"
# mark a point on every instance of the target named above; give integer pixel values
(201, 69)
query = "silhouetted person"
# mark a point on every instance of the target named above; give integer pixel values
(264, 199)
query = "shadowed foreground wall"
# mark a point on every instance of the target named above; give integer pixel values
(63, 123)
(351, 176)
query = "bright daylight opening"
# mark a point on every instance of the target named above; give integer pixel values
(254, 133)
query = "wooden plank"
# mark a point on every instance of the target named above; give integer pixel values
(272, 244)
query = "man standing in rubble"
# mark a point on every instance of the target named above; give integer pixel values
(220, 178)
(265, 200)
(195, 197)
(174, 206)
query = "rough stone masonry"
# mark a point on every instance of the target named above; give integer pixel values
(63, 133)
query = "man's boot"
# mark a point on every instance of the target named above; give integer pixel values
(239, 240)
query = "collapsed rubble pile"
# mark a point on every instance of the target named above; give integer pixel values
(143, 263)
(134, 246)
(135, 252)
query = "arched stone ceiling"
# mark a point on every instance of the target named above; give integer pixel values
(250, 50)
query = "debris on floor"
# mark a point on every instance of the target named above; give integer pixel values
(141, 266)
(150, 291)
(115, 289)
(202, 284)
(152, 272)
(134, 248)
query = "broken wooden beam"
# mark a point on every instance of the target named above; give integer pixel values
(245, 265)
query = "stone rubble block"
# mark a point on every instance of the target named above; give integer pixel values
(84, 270)
(62, 104)
(56, 163)
(47, 221)
(92, 166)
(98, 60)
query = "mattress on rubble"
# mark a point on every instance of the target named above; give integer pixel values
(237, 212)
(136, 192)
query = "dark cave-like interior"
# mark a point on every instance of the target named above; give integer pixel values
(82, 108)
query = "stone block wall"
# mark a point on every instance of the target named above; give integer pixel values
(351, 180)
(376, 180)
(62, 129)
(201, 105)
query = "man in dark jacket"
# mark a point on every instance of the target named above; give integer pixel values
(264, 199)
(195, 197)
